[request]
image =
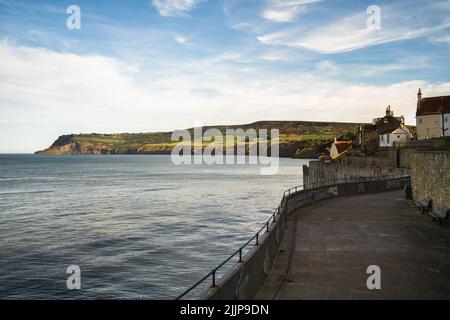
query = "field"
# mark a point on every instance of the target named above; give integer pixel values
(293, 136)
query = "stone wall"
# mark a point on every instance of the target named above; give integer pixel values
(401, 155)
(369, 143)
(430, 177)
(320, 173)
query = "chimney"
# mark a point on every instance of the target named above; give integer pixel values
(389, 112)
(419, 99)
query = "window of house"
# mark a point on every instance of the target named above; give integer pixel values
(446, 119)
(382, 137)
(388, 138)
(398, 136)
(420, 120)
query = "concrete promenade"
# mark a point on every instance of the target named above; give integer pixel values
(329, 245)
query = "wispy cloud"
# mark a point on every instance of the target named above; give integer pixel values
(284, 11)
(445, 39)
(176, 8)
(328, 67)
(399, 22)
(367, 70)
(281, 15)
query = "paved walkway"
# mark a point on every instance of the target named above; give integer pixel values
(329, 245)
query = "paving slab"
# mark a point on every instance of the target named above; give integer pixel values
(329, 245)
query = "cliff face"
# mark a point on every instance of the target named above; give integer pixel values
(75, 148)
(286, 150)
(295, 136)
(312, 152)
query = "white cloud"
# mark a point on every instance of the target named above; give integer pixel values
(284, 11)
(69, 93)
(180, 40)
(445, 39)
(398, 22)
(283, 55)
(281, 15)
(167, 8)
(273, 56)
(327, 67)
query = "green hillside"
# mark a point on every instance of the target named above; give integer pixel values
(294, 136)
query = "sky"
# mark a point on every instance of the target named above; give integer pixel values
(160, 65)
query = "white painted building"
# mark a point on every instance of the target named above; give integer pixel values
(398, 136)
(446, 120)
(432, 117)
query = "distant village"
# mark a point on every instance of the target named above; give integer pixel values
(390, 131)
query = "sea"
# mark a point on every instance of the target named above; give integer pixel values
(136, 226)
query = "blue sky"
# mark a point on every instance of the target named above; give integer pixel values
(143, 65)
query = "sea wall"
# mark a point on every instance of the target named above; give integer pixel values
(347, 169)
(430, 177)
(246, 278)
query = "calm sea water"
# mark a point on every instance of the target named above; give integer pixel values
(137, 226)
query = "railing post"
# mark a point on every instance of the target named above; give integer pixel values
(267, 226)
(214, 278)
(240, 255)
(274, 217)
(257, 239)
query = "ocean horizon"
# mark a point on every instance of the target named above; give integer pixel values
(138, 226)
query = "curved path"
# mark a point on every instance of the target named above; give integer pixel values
(329, 245)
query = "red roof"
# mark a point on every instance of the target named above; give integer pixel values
(433, 105)
(342, 146)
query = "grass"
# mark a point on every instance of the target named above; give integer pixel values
(308, 134)
(151, 140)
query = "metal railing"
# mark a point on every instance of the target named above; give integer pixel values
(273, 218)
(255, 238)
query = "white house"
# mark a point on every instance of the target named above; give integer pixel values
(339, 147)
(398, 136)
(432, 117)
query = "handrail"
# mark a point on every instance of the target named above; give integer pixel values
(273, 219)
(212, 273)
